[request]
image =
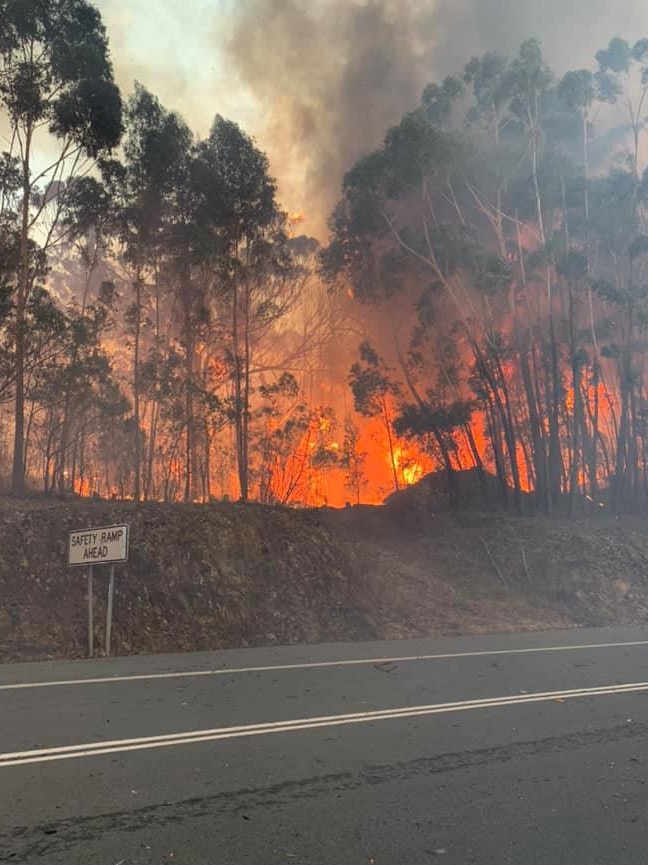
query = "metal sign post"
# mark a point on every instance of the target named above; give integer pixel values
(101, 546)
(90, 616)
(109, 609)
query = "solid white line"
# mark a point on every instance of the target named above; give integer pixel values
(117, 746)
(314, 665)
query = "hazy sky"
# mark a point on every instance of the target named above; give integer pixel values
(174, 47)
(318, 81)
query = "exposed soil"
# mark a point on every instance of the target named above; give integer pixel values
(232, 575)
(475, 572)
(197, 578)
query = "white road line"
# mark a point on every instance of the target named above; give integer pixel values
(117, 746)
(314, 665)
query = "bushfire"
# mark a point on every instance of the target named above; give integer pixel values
(479, 301)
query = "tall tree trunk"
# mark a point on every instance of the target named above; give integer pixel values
(18, 463)
(633, 448)
(498, 452)
(623, 439)
(78, 457)
(593, 443)
(245, 419)
(586, 173)
(149, 485)
(74, 359)
(155, 410)
(238, 396)
(510, 435)
(390, 441)
(502, 404)
(553, 397)
(555, 454)
(137, 491)
(28, 432)
(190, 351)
(207, 473)
(449, 469)
(526, 348)
(591, 457)
(579, 418)
(64, 442)
(578, 432)
(48, 485)
(538, 447)
(478, 462)
(189, 442)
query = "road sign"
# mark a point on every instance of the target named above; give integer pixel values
(104, 545)
(99, 546)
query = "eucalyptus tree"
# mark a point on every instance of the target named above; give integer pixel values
(56, 80)
(149, 188)
(241, 248)
(622, 77)
(481, 212)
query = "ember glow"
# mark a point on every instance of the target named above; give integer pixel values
(473, 296)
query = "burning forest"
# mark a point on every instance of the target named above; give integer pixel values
(168, 332)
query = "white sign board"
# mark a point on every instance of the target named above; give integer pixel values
(98, 546)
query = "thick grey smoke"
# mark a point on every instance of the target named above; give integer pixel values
(329, 76)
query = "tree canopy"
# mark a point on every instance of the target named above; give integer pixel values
(486, 212)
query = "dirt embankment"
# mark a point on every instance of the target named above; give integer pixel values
(475, 573)
(234, 575)
(197, 578)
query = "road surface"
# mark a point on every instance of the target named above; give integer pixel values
(529, 749)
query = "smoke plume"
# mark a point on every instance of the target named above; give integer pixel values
(329, 77)
(319, 81)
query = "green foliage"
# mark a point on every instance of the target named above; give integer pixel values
(490, 82)
(578, 90)
(414, 150)
(573, 266)
(482, 210)
(148, 188)
(56, 70)
(286, 385)
(9, 175)
(236, 195)
(438, 100)
(616, 57)
(503, 256)
(88, 205)
(529, 80)
(493, 274)
(415, 421)
(370, 383)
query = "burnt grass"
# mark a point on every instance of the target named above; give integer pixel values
(232, 575)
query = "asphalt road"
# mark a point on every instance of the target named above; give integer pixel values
(529, 749)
